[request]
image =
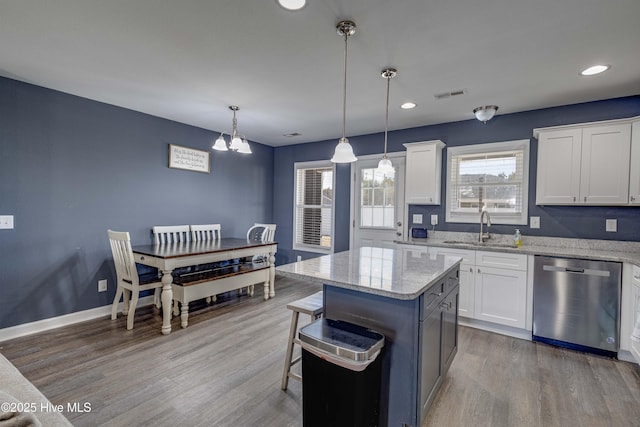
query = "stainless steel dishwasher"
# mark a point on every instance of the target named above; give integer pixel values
(576, 304)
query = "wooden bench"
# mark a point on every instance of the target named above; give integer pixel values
(200, 284)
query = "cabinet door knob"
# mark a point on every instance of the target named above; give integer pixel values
(574, 199)
(585, 199)
(633, 199)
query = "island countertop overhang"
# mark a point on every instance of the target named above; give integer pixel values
(399, 273)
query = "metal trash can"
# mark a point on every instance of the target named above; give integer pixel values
(341, 374)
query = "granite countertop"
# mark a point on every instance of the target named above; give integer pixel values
(605, 250)
(394, 273)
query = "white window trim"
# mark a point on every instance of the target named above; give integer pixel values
(517, 219)
(312, 165)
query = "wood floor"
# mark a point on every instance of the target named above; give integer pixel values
(225, 370)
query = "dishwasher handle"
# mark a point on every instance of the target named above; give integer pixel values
(585, 271)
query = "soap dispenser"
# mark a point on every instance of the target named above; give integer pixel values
(517, 239)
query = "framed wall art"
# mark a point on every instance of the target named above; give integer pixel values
(189, 159)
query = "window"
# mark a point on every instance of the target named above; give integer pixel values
(493, 176)
(377, 198)
(313, 216)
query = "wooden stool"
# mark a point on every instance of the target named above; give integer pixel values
(311, 305)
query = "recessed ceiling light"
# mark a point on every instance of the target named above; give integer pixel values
(596, 69)
(292, 4)
(408, 105)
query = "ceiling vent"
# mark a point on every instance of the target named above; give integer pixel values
(449, 94)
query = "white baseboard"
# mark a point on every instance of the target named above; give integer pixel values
(522, 334)
(67, 319)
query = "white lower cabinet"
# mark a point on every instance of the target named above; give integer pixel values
(466, 301)
(467, 277)
(493, 285)
(501, 296)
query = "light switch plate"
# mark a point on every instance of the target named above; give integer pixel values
(417, 218)
(612, 225)
(6, 222)
(434, 219)
(534, 222)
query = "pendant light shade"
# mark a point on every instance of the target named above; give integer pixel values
(344, 151)
(241, 145)
(385, 165)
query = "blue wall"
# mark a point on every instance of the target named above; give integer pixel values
(71, 168)
(557, 221)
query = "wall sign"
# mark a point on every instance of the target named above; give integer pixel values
(189, 159)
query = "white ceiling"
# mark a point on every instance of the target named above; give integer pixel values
(189, 60)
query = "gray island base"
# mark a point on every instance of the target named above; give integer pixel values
(408, 295)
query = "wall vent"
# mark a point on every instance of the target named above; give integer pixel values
(449, 94)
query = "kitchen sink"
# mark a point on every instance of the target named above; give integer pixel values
(478, 244)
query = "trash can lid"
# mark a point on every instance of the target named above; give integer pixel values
(343, 339)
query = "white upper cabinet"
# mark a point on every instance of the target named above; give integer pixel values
(423, 172)
(558, 177)
(634, 172)
(586, 165)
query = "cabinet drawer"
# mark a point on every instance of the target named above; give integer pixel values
(431, 298)
(501, 260)
(468, 256)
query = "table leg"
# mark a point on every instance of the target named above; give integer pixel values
(184, 316)
(272, 274)
(167, 297)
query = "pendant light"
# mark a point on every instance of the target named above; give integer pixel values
(344, 151)
(385, 165)
(241, 145)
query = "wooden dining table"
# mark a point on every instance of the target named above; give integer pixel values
(168, 257)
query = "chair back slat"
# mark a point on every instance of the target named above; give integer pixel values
(165, 234)
(205, 232)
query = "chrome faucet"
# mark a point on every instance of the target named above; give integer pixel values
(484, 236)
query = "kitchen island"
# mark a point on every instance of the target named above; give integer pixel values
(409, 296)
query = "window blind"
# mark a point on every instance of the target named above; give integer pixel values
(493, 180)
(314, 207)
(488, 176)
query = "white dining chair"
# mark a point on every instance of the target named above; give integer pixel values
(203, 233)
(129, 284)
(164, 234)
(260, 233)
(263, 233)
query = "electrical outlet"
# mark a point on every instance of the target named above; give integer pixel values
(6, 222)
(611, 225)
(434, 219)
(299, 258)
(417, 218)
(534, 222)
(102, 285)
